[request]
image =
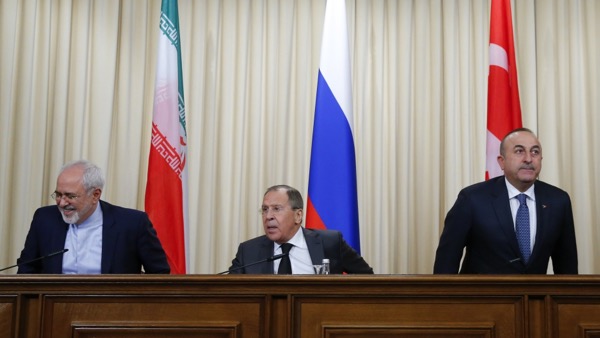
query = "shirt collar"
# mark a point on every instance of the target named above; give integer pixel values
(94, 219)
(298, 240)
(513, 192)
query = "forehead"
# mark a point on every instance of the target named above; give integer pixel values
(523, 139)
(276, 197)
(71, 177)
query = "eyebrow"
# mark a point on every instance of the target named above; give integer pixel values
(65, 192)
(520, 146)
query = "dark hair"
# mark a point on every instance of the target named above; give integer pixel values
(294, 196)
(527, 130)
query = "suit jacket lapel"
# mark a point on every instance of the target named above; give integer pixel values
(58, 239)
(504, 214)
(540, 208)
(315, 246)
(109, 237)
(266, 250)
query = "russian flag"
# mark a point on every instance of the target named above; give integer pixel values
(332, 194)
(504, 107)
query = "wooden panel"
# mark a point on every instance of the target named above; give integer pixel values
(576, 316)
(29, 315)
(279, 317)
(127, 316)
(408, 317)
(152, 329)
(7, 316)
(401, 332)
(536, 324)
(334, 306)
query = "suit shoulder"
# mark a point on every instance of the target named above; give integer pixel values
(46, 215)
(546, 187)
(322, 231)
(49, 209)
(255, 241)
(121, 211)
(548, 193)
(325, 233)
(484, 186)
(49, 212)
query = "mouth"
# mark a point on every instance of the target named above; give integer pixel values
(68, 210)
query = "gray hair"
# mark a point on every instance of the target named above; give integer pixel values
(92, 174)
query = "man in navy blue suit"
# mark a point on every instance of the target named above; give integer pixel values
(101, 238)
(282, 212)
(483, 219)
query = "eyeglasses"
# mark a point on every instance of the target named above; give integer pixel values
(276, 209)
(69, 197)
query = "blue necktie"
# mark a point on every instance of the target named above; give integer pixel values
(522, 227)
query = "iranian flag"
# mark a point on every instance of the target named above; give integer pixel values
(504, 108)
(332, 192)
(166, 188)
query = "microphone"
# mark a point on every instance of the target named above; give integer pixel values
(266, 260)
(515, 260)
(36, 259)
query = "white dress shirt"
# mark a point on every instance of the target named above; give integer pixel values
(514, 206)
(84, 242)
(299, 255)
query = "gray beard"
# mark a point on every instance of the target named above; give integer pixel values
(71, 219)
(76, 215)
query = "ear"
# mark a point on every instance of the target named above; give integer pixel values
(97, 193)
(298, 214)
(500, 160)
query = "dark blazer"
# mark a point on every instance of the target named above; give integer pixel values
(128, 242)
(321, 244)
(481, 221)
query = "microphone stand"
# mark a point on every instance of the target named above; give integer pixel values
(35, 259)
(268, 259)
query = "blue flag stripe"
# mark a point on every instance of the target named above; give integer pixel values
(332, 181)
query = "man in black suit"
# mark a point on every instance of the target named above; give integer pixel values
(282, 212)
(485, 219)
(100, 237)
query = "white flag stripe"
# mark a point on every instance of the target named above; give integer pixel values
(335, 59)
(498, 56)
(492, 151)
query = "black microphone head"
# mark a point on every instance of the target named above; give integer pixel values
(276, 257)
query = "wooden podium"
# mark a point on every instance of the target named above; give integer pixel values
(299, 306)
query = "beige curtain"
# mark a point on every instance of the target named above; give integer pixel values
(77, 78)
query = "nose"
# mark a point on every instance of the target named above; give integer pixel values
(269, 215)
(62, 202)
